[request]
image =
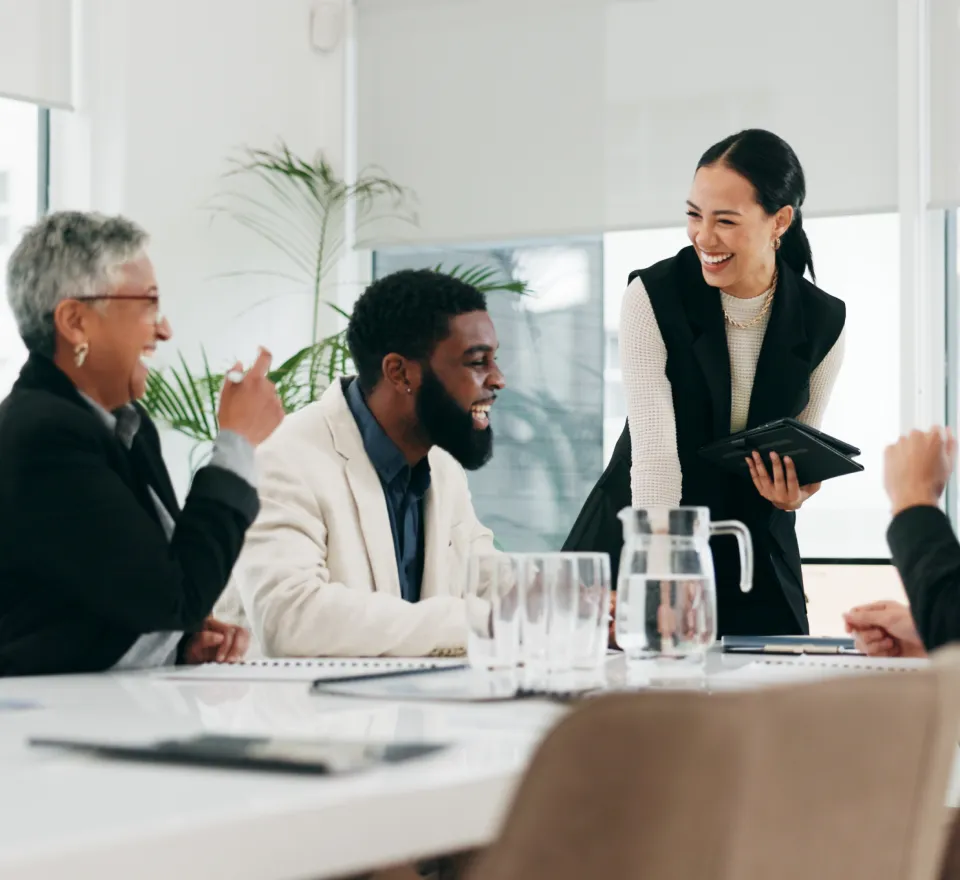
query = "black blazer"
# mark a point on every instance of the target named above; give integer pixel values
(804, 325)
(927, 556)
(85, 565)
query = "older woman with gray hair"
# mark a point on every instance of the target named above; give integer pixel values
(100, 568)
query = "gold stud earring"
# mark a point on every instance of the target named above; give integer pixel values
(775, 244)
(80, 353)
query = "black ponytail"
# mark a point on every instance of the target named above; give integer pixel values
(776, 175)
(795, 247)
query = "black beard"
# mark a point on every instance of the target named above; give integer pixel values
(448, 426)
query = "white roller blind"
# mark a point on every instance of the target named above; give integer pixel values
(944, 103)
(525, 118)
(36, 52)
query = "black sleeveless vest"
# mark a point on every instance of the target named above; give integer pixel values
(804, 325)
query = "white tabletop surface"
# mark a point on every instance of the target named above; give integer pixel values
(68, 815)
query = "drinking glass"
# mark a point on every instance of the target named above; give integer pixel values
(492, 598)
(592, 612)
(565, 603)
(547, 603)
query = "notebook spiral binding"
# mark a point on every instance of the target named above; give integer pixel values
(865, 664)
(388, 663)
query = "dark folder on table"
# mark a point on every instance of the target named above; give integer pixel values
(816, 456)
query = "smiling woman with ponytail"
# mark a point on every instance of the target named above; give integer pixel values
(726, 335)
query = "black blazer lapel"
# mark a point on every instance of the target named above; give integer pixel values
(148, 458)
(704, 312)
(783, 368)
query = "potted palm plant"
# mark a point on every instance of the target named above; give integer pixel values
(300, 207)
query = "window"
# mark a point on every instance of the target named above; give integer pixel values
(549, 419)
(21, 175)
(834, 589)
(4, 208)
(857, 259)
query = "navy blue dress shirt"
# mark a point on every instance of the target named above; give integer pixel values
(403, 491)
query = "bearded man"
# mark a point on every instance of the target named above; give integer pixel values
(366, 520)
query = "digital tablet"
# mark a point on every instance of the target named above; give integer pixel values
(816, 456)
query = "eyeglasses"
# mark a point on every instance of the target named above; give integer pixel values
(105, 297)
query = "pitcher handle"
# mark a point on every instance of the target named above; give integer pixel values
(745, 543)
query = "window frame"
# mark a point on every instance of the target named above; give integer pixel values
(951, 229)
(43, 161)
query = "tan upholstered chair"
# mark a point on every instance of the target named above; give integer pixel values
(841, 779)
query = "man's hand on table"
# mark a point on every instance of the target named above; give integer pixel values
(216, 643)
(884, 629)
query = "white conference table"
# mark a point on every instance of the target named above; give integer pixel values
(69, 815)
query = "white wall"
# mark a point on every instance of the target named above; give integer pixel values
(19, 129)
(168, 90)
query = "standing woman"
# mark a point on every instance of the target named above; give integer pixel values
(728, 335)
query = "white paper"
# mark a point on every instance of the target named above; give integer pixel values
(786, 670)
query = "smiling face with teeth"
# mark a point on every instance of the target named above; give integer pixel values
(731, 231)
(458, 387)
(122, 330)
(425, 350)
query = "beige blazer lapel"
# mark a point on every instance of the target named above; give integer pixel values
(436, 543)
(371, 506)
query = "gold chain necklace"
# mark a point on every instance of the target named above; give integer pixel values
(758, 317)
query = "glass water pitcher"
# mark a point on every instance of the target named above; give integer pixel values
(666, 588)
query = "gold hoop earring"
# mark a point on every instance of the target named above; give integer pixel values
(775, 244)
(80, 353)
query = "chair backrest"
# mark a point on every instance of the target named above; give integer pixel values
(843, 778)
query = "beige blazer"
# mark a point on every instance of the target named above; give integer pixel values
(318, 575)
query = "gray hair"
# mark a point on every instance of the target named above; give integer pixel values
(70, 254)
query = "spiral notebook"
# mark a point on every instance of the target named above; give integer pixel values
(307, 669)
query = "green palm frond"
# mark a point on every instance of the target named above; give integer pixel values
(485, 279)
(171, 397)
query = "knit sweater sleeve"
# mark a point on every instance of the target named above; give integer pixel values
(822, 380)
(655, 476)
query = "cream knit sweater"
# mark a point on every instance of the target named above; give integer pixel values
(655, 477)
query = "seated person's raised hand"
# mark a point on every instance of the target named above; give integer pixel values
(217, 643)
(780, 486)
(884, 629)
(249, 404)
